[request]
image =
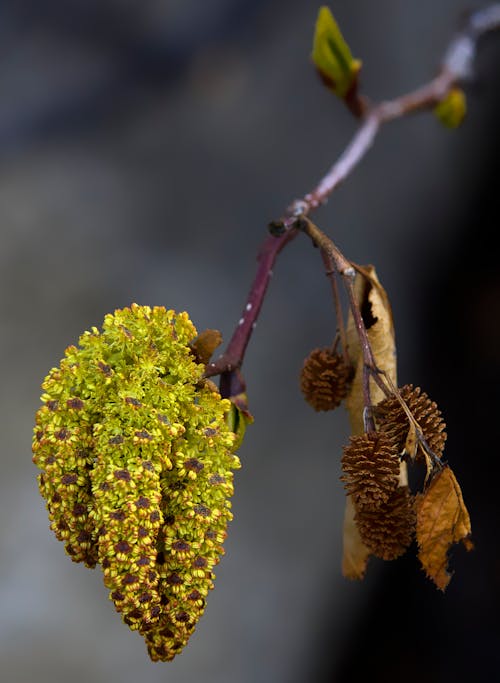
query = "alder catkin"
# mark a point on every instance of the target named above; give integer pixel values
(325, 379)
(137, 461)
(392, 419)
(370, 466)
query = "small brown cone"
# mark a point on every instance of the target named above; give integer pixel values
(325, 379)
(392, 419)
(371, 469)
(387, 531)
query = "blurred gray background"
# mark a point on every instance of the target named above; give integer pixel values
(143, 149)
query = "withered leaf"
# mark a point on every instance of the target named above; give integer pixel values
(205, 344)
(442, 520)
(374, 304)
(355, 555)
(411, 441)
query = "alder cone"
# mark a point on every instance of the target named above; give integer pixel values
(371, 468)
(388, 530)
(325, 379)
(392, 419)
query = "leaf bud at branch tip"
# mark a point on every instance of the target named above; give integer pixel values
(333, 60)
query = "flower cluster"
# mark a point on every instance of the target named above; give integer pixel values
(137, 463)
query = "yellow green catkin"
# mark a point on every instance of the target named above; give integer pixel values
(137, 462)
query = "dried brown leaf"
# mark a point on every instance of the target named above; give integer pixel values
(205, 344)
(411, 441)
(374, 304)
(442, 520)
(376, 310)
(355, 556)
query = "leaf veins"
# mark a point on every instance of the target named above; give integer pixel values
(442, 520)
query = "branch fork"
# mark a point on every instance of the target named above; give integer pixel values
(456, 69)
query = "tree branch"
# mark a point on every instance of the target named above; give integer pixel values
(235, 352)
(456, 68)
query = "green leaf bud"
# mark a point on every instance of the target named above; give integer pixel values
(332, 56)
(451, 109)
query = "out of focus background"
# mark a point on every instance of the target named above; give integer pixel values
(143, 149)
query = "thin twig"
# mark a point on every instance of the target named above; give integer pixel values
(436, 463)
(456, 68)
(235, 352)
(332, 276)
(344, 267)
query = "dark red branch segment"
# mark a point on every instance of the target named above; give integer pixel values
(232, 358)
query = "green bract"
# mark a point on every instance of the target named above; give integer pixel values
(137, 459)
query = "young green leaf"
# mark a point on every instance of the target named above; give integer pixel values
(238, 418)
(332, 57)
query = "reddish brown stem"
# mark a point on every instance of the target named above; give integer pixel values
(332, 276)
(338, 261)
(235, 352)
